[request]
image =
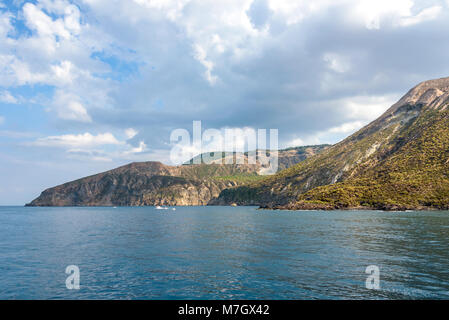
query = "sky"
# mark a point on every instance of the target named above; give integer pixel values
(89, 85)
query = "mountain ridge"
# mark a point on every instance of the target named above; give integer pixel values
(319, 181)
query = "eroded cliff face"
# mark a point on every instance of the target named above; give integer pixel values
(377, 154)
(153, 183)
(434, 94)
(146, 183)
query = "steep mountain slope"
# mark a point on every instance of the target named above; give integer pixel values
(153, 183)
(398, 161)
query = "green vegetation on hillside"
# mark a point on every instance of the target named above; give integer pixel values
(416, 175)
(240, 178)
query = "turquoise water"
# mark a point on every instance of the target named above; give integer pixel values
(222, 253)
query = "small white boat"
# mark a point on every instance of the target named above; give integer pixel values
(161, 208)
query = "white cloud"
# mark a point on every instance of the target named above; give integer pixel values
(358, 111)
(336, 62)
(373, 10)
(6, 97)
(41, 23)
(75, 111)
(200, 55)
(348, 127)
(131, 133)
(5, 24)
(295, 11)
(122, 151)
(58, 53)
(425, 15)
(63, 72)
(171, 8)
(45, 26)
(89, 147)
(399, 11)
(141, 148)
(69, 107)
(13, 72)
(80, 140)
(212, 28)
(367, 108)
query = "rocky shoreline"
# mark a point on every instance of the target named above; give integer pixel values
(328, 207)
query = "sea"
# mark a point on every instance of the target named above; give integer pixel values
(215, 252)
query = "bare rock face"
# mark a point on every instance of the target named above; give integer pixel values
(153, 183)
(432, 93)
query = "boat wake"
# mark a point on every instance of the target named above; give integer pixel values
(164, 208)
